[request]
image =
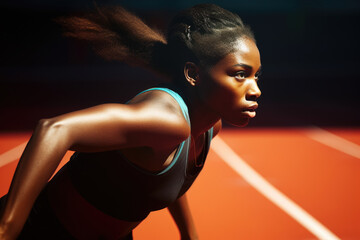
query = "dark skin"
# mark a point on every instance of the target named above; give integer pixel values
(227, 91)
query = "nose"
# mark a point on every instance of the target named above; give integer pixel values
(253, 92)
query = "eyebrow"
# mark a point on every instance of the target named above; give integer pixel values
(246, 66)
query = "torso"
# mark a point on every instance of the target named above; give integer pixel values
(100, 182)
(136, 156)
(99, 177)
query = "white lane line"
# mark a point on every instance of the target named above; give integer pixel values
(12, 155)
(269, 191)
(334, 141)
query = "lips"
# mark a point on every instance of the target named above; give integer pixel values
(250, 111)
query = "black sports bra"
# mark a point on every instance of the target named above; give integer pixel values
(142, 191)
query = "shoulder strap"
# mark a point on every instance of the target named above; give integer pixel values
(184, 146)
(176, 96)
(209, 134)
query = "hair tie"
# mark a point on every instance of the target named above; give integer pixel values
(187, 32)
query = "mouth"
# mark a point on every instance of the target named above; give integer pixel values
(250, 111)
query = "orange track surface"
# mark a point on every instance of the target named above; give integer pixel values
(324, 181)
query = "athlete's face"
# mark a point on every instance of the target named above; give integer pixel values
(230, 87)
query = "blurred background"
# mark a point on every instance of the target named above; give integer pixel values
(309, 48)
(310, 56)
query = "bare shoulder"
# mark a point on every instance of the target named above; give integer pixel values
(163, 114)
(156, 98)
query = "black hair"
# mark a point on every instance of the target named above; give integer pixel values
(203, 34)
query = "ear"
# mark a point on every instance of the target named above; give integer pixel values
(191, 73)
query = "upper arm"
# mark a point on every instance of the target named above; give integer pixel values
(115, 126)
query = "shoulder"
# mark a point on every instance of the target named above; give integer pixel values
(158, 98)
(162, 115)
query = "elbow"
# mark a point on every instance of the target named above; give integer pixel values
(52, 129)
(49, 123)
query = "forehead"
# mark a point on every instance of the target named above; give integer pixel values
(246, 51)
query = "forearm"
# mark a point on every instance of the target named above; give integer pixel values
(181, 214)
(41, 156)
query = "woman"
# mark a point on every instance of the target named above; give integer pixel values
(141, 156)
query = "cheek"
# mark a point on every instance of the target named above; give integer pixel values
(216, 92)
(224, 95)
(226, 100)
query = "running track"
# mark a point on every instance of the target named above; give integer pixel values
(259, 184)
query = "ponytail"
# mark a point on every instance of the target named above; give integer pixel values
(116, 34)
(203, 34)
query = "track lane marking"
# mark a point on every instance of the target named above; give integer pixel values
(12, 154)
(269, 191)
(331, 140)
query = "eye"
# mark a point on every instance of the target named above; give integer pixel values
(258, 74)
(240, 75)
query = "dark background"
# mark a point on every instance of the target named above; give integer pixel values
(309, 49)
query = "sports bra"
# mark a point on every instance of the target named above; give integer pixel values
(141, 191)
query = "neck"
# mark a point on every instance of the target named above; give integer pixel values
(202, 117)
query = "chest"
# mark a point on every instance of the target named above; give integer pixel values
(155, 161)
(115, 178)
